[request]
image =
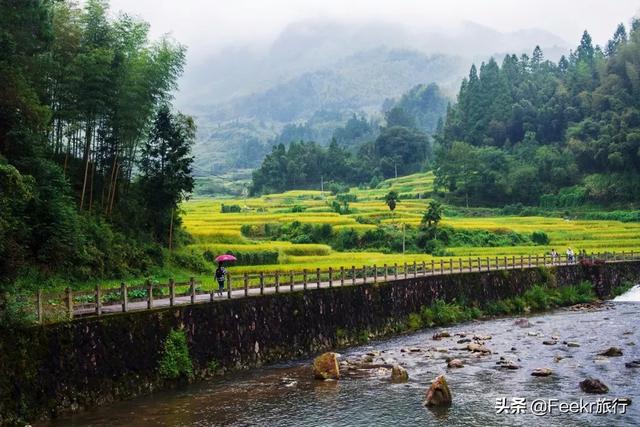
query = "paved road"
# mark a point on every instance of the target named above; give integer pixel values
(236, 293)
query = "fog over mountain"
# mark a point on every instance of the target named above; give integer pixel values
(309, 46)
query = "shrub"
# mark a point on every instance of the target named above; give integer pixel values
(537, 298)
(175, 361)
(414, 322)
(260, 257)
(191, 261)
(540, 238)
(230, 208)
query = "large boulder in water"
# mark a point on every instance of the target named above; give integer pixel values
(326, 367)
(399, 374)
(612, 352)
(592, 385)
(438, 394)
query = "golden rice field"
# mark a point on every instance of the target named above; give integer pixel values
(220, 232)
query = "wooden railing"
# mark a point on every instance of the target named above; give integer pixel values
(51, 307)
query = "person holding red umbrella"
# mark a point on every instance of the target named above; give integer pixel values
(221, 272)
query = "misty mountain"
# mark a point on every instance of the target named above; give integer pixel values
(316, 75)
(360, 82)
(310, 46)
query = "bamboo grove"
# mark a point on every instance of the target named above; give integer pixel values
(82, 93)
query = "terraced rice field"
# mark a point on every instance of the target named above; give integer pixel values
(220, 232)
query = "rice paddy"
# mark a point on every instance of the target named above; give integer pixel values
(221, 232)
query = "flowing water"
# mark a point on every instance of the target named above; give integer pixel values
(287, 395)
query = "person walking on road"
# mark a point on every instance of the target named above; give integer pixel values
(570, 256)
(221, 274)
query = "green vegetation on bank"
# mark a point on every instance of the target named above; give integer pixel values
(94, 162)
(538, 298)
(175, 361)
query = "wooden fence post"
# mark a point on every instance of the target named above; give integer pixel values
(277, 279)
(353, 274)
(172, 293)
(330, 277)
(261, 283)
(98, 301)
(125, 297)
(212, 293)
(342, 276)
(441, 266)
(529, 260)
(479, 264)
(424, 268)
(364, 274)
(375, 274)
(317, 278)
(395, 270)
(450, 265)
(39, 312)
(291, 280)
(460, 264)
(470, 264)
(488, 264)
(149, 295)
(406, 272)
(415, 269)
(229, 286)
(245, 279)
(69, 301)
(304, 279)
(386, 272)
(192, 289)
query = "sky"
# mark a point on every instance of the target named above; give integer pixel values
(207, 26)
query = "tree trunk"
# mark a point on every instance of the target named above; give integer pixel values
(87, 151)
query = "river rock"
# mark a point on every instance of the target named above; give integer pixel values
(482, 337)
(542, 372)
(633, 364)
(464, 340)
(594, 386)
(399, 374)
(478, 348)
(439, 335)
(325, 367)
(508, 364)
(572, 344)
(523, 323)
(455, 363)
(549, 342)
(611, 352)
(439, 393)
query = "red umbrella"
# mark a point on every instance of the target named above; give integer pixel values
(225, 257)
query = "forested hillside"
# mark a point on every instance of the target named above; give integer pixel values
(363, 151)
(93, 160)
(558, 134)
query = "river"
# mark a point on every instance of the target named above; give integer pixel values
(287, 395)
